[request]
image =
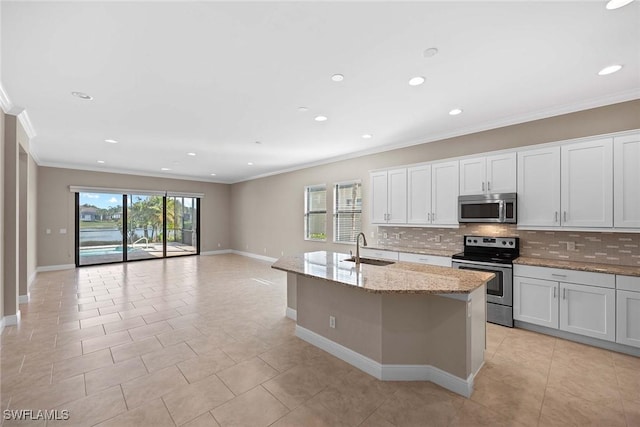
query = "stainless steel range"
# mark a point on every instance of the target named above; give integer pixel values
(493, 255)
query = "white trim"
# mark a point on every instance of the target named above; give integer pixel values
(1, 324)
(27, 125)
(31, 279)
(292, 314)
(219, 252)
(5, 102)
(389, 372)
(23, 299)
(256, 256)
(55, 267)
(12, 319)
(184, 194)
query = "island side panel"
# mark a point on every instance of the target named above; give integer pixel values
(406, 331)
(477, 324)
(357, 313)
(449, 333)
(291, 291)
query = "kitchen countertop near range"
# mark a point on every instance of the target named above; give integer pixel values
(580, 266)
(398, 278)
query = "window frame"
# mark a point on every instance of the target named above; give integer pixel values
(307, 212)
(337, 211)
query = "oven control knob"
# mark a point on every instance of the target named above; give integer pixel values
(511, 243)
(504, 242)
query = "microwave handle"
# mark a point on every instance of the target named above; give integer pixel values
(502, 209)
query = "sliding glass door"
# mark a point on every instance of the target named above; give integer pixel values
(150, 226)
(145, 226)
(99, 228)
(182, 225)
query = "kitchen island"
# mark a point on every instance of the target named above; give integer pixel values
(402, 321)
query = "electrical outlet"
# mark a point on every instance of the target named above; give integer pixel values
(48, 231)
(384, 235)
(373, 234)
(219, 245)
(265, 250)
(437, 239)
(281, 253)
(571, 246)
(63, 231)
(332, 322)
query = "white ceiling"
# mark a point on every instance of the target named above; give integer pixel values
(215, 77)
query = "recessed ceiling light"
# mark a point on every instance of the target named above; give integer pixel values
(259, 142)
(250, 163)
(303, 109)
(82, 95)
(367, 136)
(610, 69)
(617, 4)
(321, 119)
(213, 174)
(416, 81)
(191, 154)
(455, 111)
(111, 141)
(337, 77)
(165, 169)
(101, 161)
(432, 51)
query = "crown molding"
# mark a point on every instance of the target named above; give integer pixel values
(5, 102)
(26, 124)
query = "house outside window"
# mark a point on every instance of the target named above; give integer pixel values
(315, 212)
(347, 213)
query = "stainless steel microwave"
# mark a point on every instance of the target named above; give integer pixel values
(492, 208)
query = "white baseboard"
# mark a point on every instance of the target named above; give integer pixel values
(55, 267)
(220, 252)
(255, 256)
(23, 299)
(292, 314)
(389, 372)
(13, 319)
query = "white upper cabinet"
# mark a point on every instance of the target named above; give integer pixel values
(378, 197)
(587, 183)
(444, 193)
(539, 187)
(389, 196)
(626, 161)
(419, 195)
(487, 175)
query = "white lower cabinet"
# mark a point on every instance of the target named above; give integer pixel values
(628, 310)
(536, 301)
(588, 310)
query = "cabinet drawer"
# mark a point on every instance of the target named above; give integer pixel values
(628, 283)
(378, 253)
(568, 276)
(426, 259)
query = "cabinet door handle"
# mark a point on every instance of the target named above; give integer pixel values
(482, 185)
(558, 275)
(428, 216)
(565, 216)
(433, 216)
(564, 293)
(554, 292)
(488, 185)
(555, 218)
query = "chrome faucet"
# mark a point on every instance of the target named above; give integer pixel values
(364, 241)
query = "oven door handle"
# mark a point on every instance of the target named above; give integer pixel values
(486, 264)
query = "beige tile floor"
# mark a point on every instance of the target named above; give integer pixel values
(202, 341)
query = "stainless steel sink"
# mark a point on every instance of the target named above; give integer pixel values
(370, 261)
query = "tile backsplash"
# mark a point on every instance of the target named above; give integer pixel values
(604, 248)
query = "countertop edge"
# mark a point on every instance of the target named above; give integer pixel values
(579, 266)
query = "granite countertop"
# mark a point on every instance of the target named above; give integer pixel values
(580, 266)
(400, 277)
(421, 251)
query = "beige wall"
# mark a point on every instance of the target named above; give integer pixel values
(2, 116)
(267, 213)
(10, 208)
(56, 208)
